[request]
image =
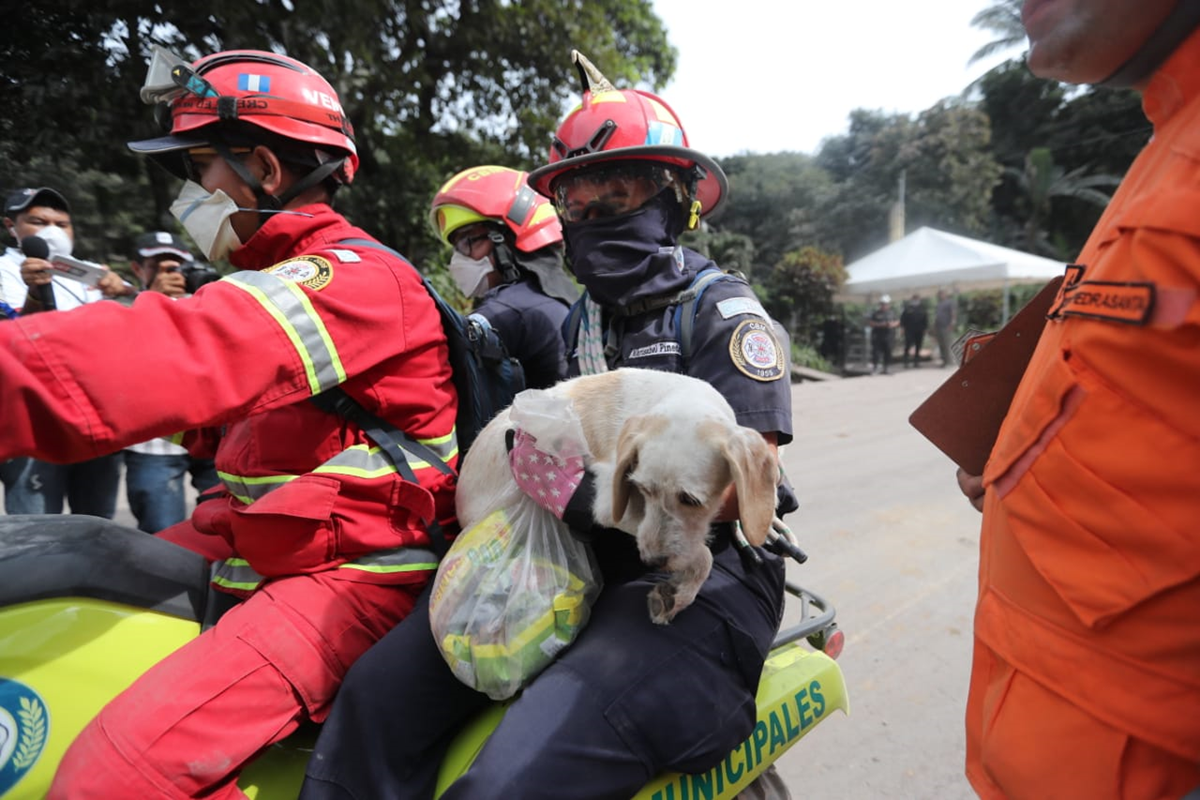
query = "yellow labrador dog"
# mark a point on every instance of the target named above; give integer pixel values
(664, 448)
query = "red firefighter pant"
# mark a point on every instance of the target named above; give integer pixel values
(187, 726)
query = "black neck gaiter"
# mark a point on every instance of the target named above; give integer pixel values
(623, 259)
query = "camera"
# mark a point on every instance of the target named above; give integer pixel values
(196, 275)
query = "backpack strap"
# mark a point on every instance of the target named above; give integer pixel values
(570, 327)
(393, 443)
(685, 312)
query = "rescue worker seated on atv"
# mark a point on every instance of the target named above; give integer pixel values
(325, 544)
(508, 257)
(629, 699)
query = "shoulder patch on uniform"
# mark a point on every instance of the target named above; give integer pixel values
(312, 271)
(756, 352)
(345, 256)
(732, 306)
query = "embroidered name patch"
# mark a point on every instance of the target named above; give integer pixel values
(312, 271)
(732, 306)
(1130, 303)
(346, 256)
(755, 351)
(656, 349)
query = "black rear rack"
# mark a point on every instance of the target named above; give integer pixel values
(816, 619)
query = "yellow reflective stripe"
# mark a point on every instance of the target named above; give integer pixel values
(288, 304)
(398, 559)
(383, 570)
(360, 461)
(174, 438)
(235, 573)
(249, 489)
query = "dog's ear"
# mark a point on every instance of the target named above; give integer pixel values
(628, 442)
(755, 474)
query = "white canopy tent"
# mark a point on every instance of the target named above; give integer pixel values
(929, 259)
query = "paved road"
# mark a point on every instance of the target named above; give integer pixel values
(894, 546)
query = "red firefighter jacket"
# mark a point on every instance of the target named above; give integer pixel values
(307, 491)
(1090, 549)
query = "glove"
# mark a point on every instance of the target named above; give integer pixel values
(563, 487)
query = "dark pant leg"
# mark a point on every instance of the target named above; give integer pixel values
(34, 487)
(392, 720)
(630, 699)
(92, 485)
(204, 474)
(154, 488)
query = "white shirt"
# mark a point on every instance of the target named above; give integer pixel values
(68, 294)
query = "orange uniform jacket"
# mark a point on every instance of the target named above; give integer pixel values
(306, 491)
(1086, 679)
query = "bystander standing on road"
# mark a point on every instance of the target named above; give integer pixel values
(914, 320)
(882, 323)
(945, 318)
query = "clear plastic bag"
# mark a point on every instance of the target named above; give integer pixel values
(516, 587)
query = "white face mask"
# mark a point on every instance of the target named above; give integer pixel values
(470, 274)
(206, 217)
(57, 240)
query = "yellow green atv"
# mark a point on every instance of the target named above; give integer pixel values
(86, 606)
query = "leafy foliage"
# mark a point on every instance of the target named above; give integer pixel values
(431, 86)
(800, 288)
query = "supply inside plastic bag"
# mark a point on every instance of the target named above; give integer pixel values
(516, 587)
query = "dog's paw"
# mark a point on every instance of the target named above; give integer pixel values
(661, 602)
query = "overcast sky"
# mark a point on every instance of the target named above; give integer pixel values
(765, 76)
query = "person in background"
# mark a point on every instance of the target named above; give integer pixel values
(629, 698)
(945, 317)
(1086, 673)
(33, 486)
(914, 319)
(45, 211)
(321, 539)
(508, 257)
(882, 323)
(155, 469)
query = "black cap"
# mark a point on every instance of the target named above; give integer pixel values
(21, 199)
(157, 243)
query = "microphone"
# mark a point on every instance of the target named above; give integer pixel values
(37, 247)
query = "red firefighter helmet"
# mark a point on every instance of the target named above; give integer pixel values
(624, 125)
(499, 195)
(273, 92)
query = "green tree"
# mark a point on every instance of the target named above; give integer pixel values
(1042, 181)
(431, 86)
(944, 156)
(773, 198)
(1002, 18)
(799, 291)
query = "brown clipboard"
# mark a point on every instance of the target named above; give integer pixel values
(963, 416)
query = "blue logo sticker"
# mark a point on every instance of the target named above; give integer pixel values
(24, 730)
(661, 133)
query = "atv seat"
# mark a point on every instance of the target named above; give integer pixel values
(56, 555)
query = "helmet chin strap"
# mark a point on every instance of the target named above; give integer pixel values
(1178, 25)
(270, 202)
(505, 260)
